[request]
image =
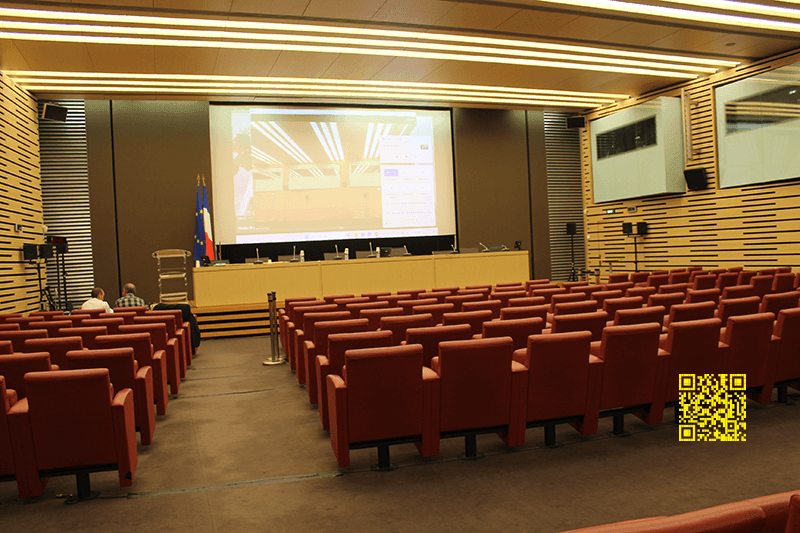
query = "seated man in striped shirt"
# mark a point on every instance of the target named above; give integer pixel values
(129, 298)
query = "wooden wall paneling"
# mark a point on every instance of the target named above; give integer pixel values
(20, 197)
(753, 226)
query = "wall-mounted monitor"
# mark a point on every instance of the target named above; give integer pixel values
(638, 151)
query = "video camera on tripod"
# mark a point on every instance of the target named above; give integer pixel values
(53, 247)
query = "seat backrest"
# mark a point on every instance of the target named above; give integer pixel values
(762, 284)
(176, 314)
(323, 329)
(374, 315)
(707, 281)
(24, 321)
(439, 296)
(518, 329)
(119, 362)
(530, 288)
(588, 289)
(126, 316)
(623, 286)
(292, 307)
(384, 392)
(139, 341)
(592, 322)
(394, 298)
(611, 305)
(698, 272)
(339, 343)
(745, 276)
(508, 284)
(526, 301)
(693, 347)
(618, 278)
(18, 338)
(698, 311)
(70, 418)
(373, 296)
(784, 281)
(547, 293)
(474, 318)
(138, 309)
(735, 269)
(644, 292)
(437, 311)
(10, 326)
(774, 303)
(158, 333)
(331, 298)
(6, 459)
(311, 319)
(481, 286)
(572, 308)
(483, 293)
(51, 326)
(673, 287)
(459, 299)
(399, 324)
(629, 371)
(413, 292)
(475, 383)
(92, 312)
(408, 305)
(88, 334)
(6, 347)
(644, 315)
(727, 279)
(48, 315)
(355, 308)
(737, 291)
(568, 297)
(749, 339)
(529, 311)
(702, 295)
(505, 295)
(559, 374)
(492, 305)
(343, 302)
(430, 337)
(111, 324)
(602, 296)
(168, 321)
(666, 300)
(531, 282)
(57, 347)
(15, 366)
(300, 312)
(737, 307)
(679, 277)
(656, 280)
(787, 328)
(639, 277)
(570, 284)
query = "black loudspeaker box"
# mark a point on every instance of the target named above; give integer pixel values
(641, 228)
(54, 112)
(46, 251)
(696, 179)
(576, 122)
(30, 252)
(572, 228)
(627, 228)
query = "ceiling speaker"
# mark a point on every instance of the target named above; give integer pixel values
(576, 122)
(54, 112)
(696, 179)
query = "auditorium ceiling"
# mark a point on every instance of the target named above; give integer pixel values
(555, 54)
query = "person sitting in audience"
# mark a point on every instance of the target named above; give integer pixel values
(129, 298)
(96, 301)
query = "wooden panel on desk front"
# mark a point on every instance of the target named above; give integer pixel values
(249, 283)
(380, 274)
(481, 268)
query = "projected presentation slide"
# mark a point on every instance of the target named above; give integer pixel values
(293, 174)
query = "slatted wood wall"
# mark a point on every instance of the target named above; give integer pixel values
(754, 226)
(20, 197)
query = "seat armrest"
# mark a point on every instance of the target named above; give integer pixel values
(11, 396)
(19, 428)
(124, 436)
(431, 397)
(337, 412)
(521, 356)
(323, 369)
(591, 415)
(435, 365)
(595, 349)
(519, 405)
(143, 404)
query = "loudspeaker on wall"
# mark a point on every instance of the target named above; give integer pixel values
(572, 228)
(696, 179)
(54, 112)
(641, 228)
(576, 122)
(627, 228)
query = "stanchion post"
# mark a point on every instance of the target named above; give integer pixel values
(275, 356)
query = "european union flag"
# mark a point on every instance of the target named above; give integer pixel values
(199, 228)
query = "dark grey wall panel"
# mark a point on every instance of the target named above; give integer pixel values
(540, 212)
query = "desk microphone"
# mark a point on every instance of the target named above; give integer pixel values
(258, 257)
(294, 258)
(406, 250)
(485, 248)
(453, 246)
(371, 253)
(337, 256)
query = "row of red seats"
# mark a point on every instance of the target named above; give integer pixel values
(138, 354)
(325, 322)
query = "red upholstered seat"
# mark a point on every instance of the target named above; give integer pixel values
(602, 296)
(15, 366)
(385, 397)
(638, 277)
(684, 312)
(752, 351)
(526, 302)
(621, 277)
(374, 315)
(707, 281)
(172, 335)
(656, 280)
(439, 296)
(18, 338)
(612, 305)
(573, 308)
(697, 272)
(533, 282)
(408, 305)
(330, 355)
(459, 299)
(482, 286)
(7, 399)
(124, 373)
(70, 422)
(673, 287)
(6, 347)
(632, 375)
(745, 276)
(767, 271)
(547, 293)
(787, 369)
(126, 316)
(307, 352)
(56, 347)
(87, 334)
(694, 348)
(566, 298)
(76, 319)
(737, 291)
(774, 303)
(399, 324)
(437, 311)
(558, 380)
(139, 309)
(530, 311)
(413, 292)
(24, 321)
(373, 296)
(145, 356)
(430, 337)
(342, 303)
(355, 308)
(505, 296)
(394, 298)
(703, 295)
(518, 330)
(570, 284)
(644, 292)
(737, 307)
(592, 322)
(111, 324)
(784, 281)
(679, 277)
(51, 326)
(482, 292)
(508, 285)
(474, 318)
(158, 337)
(329, 299)
(588, 289)
(482, 390)
(762, 285)
(92, 312)
(623, 286)
(644, 315)
(286, 316)
(665, 300)
(10, 326)
(48, 315)
(296, 322)
(727, 279)
(182, 330)
(539, 286)
(491, 305)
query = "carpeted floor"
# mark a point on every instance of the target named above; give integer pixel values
(241, 449)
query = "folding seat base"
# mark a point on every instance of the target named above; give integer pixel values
(81, 474)
(384, 462)
(470, 439)
(619, 418)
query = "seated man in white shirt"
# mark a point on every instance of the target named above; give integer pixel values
(96, 301)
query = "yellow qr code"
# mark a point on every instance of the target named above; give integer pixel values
(712, 407)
